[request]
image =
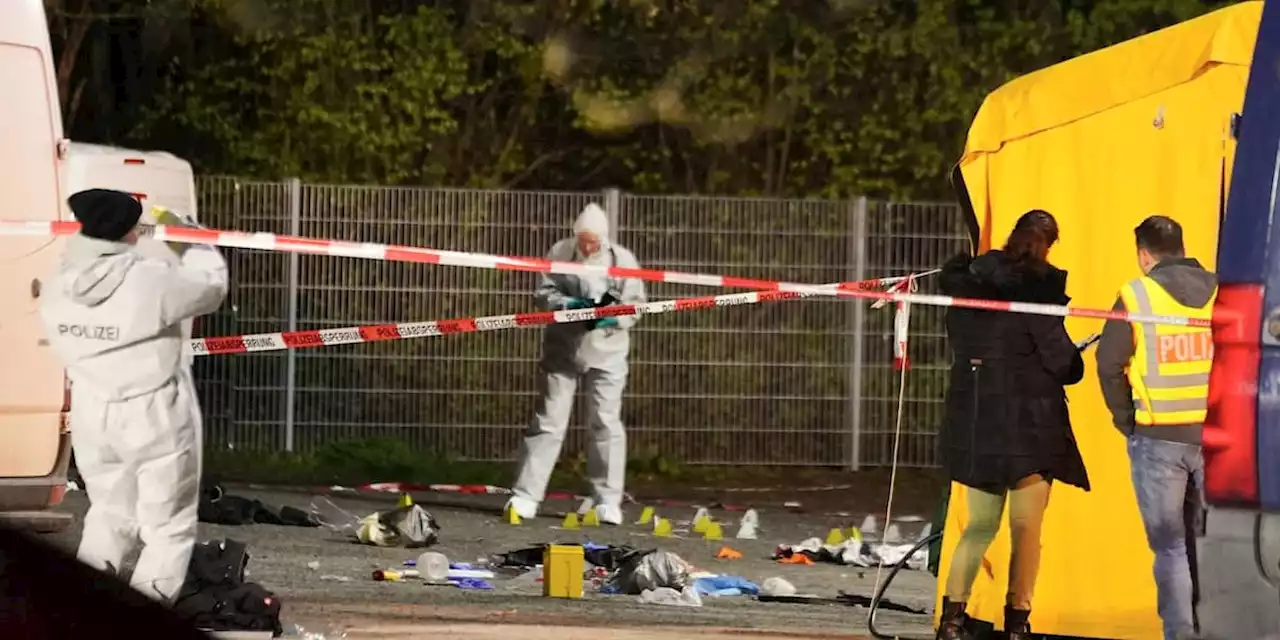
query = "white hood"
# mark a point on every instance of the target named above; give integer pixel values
(593, 219)
(94, 269)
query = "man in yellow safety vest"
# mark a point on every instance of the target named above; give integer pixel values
(1155, 380)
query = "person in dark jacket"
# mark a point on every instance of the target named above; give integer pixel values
(1007, 435)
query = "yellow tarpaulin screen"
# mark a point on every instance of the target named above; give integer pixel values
(1102, 141)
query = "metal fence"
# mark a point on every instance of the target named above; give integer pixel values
(791, 383)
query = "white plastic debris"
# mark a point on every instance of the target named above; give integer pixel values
(777, 587)
(433, 566)
(298, 631)
(314, 565)
(749, 526)
(891, 554)
(892, 535)
(651, 571)
(869, 526)
(688, 597)
(925, 532)
(410, 526)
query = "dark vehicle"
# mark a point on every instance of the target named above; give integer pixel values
(1239, 555)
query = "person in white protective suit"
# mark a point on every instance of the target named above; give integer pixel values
(593, 353)
(114, 317)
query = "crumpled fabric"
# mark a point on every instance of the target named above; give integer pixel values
(854, 553)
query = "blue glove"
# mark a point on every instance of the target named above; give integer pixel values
(578, 303)
(606, 323)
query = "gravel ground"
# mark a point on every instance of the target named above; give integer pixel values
(472, 528)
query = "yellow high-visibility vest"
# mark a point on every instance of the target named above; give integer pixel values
(1169, 370)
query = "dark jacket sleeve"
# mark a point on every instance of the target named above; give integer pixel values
(1115, 348)
(1058, 354)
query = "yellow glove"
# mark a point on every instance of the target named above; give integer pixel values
(168, 218)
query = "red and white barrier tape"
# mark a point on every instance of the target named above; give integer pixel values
(902, 325)
(434, 328)
(400, 253)
(294, 244)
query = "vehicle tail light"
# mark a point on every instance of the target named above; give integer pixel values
(1230, 440)
(134, 161)
(56, 494)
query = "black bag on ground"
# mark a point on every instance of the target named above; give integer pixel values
(216, 597)
(216, 507)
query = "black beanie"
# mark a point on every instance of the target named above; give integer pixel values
(105, 214)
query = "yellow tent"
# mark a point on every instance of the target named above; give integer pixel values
(1102, 141)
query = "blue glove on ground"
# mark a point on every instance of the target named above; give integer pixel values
(607, 323)
(578, 303)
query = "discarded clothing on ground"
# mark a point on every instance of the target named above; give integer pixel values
(609, 558)
(409, 526)
(667, 596)
(216, 507)
(855, 553)
(215, 595)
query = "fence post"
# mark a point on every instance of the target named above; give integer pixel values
(857, 315)
(613, 210)
(291, 362)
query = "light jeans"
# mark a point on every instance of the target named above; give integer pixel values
(1168, 478)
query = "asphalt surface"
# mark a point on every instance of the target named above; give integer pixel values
(326, 583)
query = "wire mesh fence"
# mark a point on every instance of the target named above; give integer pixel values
(806, 382)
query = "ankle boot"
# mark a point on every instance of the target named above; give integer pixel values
(1017, 625)
(952, 622)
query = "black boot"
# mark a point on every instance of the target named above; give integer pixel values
(1017, 625)
(951, 626)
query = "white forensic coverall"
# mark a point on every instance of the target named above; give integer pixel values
(573, 353)
(115, 319)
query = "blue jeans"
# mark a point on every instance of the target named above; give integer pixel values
(1168, 478)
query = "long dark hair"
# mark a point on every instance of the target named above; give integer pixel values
(1029, 242)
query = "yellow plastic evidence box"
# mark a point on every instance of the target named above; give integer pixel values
(562, 567)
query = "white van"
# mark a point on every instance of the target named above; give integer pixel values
(155, 178)
(35, 442)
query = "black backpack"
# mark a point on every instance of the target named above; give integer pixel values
(216, 597)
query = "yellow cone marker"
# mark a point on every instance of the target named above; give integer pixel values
(571, 521)
(513, 518)
(701, 520)
(592, 519)
(662, 527)
(646, 516)
(405, 500)
(855, 534)
(713, 532)
(835, 538)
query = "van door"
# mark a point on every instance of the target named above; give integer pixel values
(31, 380)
